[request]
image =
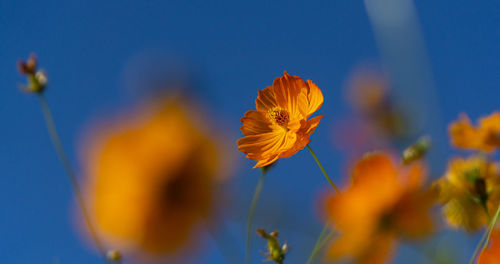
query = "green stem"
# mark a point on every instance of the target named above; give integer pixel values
(492, 226)
(486, 237)
(322, 169)
(320, 242)
(54, 136)
(251, 213)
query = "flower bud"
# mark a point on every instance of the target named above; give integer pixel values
(417, 150)
(113, 255)
(275, 252)
(37, 79)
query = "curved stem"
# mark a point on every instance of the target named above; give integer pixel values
(491, 227)
(251, 213)
(320, 242)
(486, 237)
(323, 170)
(54, 136)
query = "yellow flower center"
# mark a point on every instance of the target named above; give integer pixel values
(279, 116)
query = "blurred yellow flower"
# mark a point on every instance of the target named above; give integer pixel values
(279, 127)
(151, 178)
(469, 187)
(383, 203)
(491, 254)
(484, 137)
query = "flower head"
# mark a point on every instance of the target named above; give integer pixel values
(151, 178)
(384, 202)
(491, 254)
(37, 79)
(484, 137)
(470, 190)
(280, 127)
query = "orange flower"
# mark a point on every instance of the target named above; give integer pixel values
(151, 178)
(484, 137)
(383, 203)
(491, 255)
(368, 91)
(279, 127)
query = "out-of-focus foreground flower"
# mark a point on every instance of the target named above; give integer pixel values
(368, 91)
(491, 254)
(376, 121)
(279, 127)
(383, 203)
(484, 137)
(151, 178)
(470, 190)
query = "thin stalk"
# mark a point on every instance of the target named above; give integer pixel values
(323, 170)
(485, 239)
(320, 242)
(56, 141)
(255, 199)
(491, 227)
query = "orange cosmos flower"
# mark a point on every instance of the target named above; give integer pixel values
(279, 127)
(384, 202)
(491, 255)
(484, 137)
(151, 178)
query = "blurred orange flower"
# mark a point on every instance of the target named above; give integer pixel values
(279, 127)
(378, 120)
(484, 137)
(367, 91)
(383, 203)
(469, 187)
(491, 255)
(151, 178)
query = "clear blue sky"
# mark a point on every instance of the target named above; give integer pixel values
(234, 48)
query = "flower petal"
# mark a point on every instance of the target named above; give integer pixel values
(491, 254)
(286, 90)
(266, 99)
(463, 134)
(307, 128)
(256, 122)
(375, 167)
(491, 122)
(310, 99)
(266, 146)
(267, 161)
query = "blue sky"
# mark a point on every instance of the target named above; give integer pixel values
(90, 50)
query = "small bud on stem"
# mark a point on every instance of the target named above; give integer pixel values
(37, 79)
(417, 150)
(275, 252)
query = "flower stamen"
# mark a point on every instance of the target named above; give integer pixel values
(279, 116)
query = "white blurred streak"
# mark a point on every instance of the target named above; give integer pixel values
(390, 12)
(399, 37)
